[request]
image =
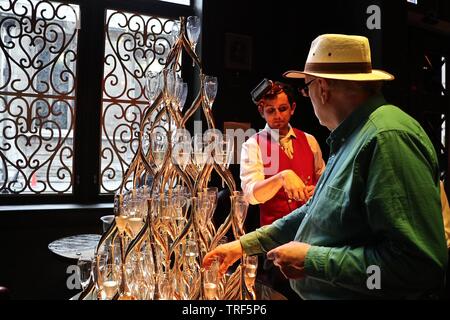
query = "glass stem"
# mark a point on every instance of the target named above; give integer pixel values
(123, 283)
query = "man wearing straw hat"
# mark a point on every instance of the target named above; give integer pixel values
(373, 228)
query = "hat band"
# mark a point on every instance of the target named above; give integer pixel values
(335, 67)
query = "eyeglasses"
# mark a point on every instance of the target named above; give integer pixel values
(304, 90)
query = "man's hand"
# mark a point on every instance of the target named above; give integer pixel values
(227, 254)
(293, 185)
(290, 258)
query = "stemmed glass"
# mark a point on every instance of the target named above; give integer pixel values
(210, 89)
(211, 280)
(183, 96)
(165, 282)
(122, 221)
(210, 194)
(199, 152)
(223, 152)
(135, 216)
(177, 90)
(240, 207)
(140, 272)
(152, 85)
(181, 151)
(167, 83)
(111, 279)
(193, 31)
(181, 90)
(159, 147)
(191, 253)
(250, 267)
(84, 271)
(174, 33)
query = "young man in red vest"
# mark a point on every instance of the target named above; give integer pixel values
(279, 165)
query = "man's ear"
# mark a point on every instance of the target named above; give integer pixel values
(261, 110)
(293, 106)
(324, 90)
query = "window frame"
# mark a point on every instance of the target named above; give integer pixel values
(89, 91)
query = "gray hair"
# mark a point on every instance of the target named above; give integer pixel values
(353, 87)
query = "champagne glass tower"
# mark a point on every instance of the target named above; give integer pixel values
(175, 229)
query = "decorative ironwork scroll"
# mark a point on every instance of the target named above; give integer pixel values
(38, 55)
(134, 44)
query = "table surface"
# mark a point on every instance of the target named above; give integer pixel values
(74, 247)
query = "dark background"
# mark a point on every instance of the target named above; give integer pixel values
(281, 32)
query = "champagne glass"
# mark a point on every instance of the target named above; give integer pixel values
(210, 89)
(211, 193)
(159, 148)
(135, 216)
(240, 207)
(184, 285)
(152, 85)
(168, 84)
(181, 152)
(165, 285)
(250, 267)
(223, 152)
(122, 221)
(211, 280)
(199, 152)
(202, 204)
(84, 271)
(111, 279)
(177, 90)
(174, 33)
(191, 253)
(184, 92)
(193, 31)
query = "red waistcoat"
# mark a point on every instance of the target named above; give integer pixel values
(302, 164)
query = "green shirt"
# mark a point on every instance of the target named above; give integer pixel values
(376, 204)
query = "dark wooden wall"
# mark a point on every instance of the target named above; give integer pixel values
(281, 32)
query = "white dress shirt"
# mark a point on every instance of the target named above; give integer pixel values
(252, 168)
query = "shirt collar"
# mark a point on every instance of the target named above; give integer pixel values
(344, 130)
(274, 134)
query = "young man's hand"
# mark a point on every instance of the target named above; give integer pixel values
(293, 185)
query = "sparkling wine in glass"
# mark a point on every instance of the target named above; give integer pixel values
(211, 280)
(250, 267)
(111, 280)
(199, 151)
(159, 148)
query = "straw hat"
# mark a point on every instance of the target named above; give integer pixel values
(342, 57)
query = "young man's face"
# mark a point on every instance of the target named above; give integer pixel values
(277, 111)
